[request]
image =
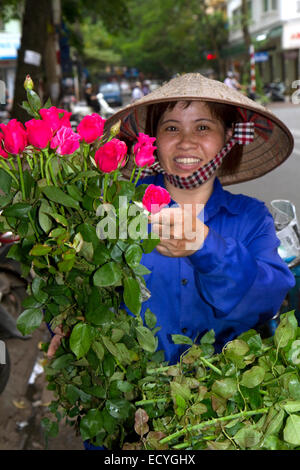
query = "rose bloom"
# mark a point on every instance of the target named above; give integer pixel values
(65, 141)
(143, 150)
(14, 137)
(155, 198)
(56, 117)
(111, 155)
(39, 133)
(91, 128)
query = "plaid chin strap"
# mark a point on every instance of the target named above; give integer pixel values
(243, 134)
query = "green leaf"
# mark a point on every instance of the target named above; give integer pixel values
(225, 388)
(108, 275)
(253, 377)
(40, 250)
(117, 408)
(91, 424)
(98, 349)
(150, 243)
(247, 437)
(5, 181)
(28, 183)
(132, 295)
(150, 318)
(25, 105)
(29, 320)
(291, 406)
(133, 255)
(181, 339)
(286, 330)
(291, 432)
(34, 100)
(44, 219)
(18, 210)
(57, 195)
(275, 424)
(81, 339)
(37, 285)
(109, 346)
(74, 192)
(146, 339)
(208, 338)
(62, 361)
(97, 312)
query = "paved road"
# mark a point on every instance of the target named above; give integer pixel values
(284, 181)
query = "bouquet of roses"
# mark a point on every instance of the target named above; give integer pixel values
(82, 229)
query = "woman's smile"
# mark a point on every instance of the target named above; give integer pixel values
(188, 163)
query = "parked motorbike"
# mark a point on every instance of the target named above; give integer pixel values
(12, 293)
(81, 109)
(275, 91)
(287, 230)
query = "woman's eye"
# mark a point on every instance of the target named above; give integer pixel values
(171, 128)
(202, 128)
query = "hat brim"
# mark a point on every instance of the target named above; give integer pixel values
(273, 142)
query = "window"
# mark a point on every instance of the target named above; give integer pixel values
(274, 5)
(265, 5)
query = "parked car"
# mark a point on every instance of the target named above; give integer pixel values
(111, 93)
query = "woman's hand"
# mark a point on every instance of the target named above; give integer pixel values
(55, 342)
(181, 232)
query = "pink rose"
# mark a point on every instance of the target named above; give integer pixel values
(39, 133)
(56, 117)
(65, 141)
(91, 128)
(111, 155)
(144, 150)
(155, 198)
(14, 137)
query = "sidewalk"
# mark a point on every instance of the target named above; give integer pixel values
(23, 405)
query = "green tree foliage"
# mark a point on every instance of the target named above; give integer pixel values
(171, 36)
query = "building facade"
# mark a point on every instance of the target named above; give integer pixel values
(274, 26)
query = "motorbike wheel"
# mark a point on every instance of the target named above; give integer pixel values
(4, 371)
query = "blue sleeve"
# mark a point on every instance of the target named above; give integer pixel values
(242, 276)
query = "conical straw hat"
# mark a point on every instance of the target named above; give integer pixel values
(272, 144)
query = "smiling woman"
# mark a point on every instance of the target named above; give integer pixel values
(233, 278)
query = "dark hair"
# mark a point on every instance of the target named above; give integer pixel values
(224, 113)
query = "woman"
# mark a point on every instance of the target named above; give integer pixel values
(216, 266)
(229, 278)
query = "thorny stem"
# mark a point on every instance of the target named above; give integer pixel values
(138, 176)
(21, 177)
(211, 422)
(151, 402)
(209, 364)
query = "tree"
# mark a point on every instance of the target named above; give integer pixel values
(245, 24)
(36, 18)
(38, 27)
(170, 37)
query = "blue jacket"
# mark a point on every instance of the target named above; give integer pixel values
(235, 282)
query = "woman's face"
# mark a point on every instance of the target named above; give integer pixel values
(188, 138)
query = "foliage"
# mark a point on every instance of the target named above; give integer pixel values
(169, 37)
(245, 398)
(84, 279)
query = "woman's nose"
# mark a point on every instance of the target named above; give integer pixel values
(187, 139)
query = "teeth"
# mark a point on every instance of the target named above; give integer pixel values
(187, 160)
